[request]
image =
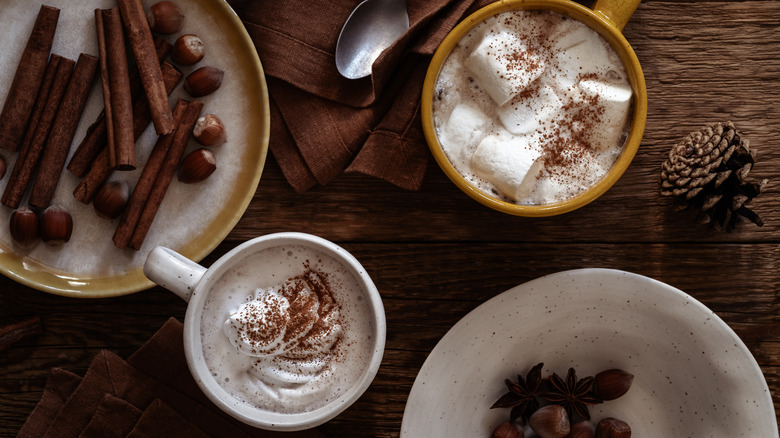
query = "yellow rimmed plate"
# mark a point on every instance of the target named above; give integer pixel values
(193, 219)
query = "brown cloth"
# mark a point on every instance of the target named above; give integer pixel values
(322, 123)
(153, 394)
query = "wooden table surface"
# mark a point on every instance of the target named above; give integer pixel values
(436, 254)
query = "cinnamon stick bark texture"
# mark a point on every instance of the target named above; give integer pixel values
(121, 98)
(63, 131)
(26, 164)
(142, 44)
(135, 205)
(98, 174)
(27, 79)
(96, 138)
(100, 169)
(105, 82)
(40, 104)
(165, 175)
(14, 332)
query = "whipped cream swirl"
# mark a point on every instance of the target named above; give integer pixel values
(290, 329)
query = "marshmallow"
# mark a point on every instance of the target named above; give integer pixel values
(504, 160)
(584, 58)
(569, 33)
(503, 65)
(614, 99)
(524, 115)
(464, 128)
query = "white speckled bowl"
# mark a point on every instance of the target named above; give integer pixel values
(693, 376)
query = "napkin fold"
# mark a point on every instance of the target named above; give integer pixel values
(60, 384)
(150, 395)
(323, 124)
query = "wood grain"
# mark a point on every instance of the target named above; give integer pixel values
(426, 288)
(435, 254)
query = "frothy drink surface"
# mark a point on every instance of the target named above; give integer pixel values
(287, 329)
(532, 107)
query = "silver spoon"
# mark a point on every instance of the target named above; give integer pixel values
(371, 28)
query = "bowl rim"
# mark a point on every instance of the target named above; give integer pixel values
(638, 118)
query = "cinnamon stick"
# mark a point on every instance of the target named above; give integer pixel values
(140, 36)
(27, 162)
(101, 169)
(121, 99)
(96, 138)
(105, 82)
(135, 205)
(63, 130)
(180, 138)
(35, 118)
(27, 79)
(98, 174)
(14, 332)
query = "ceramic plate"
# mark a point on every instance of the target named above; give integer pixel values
(194, 218)
(693, 376)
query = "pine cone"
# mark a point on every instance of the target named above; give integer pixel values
(707, 171)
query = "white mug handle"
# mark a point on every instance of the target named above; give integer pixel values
(173, 271)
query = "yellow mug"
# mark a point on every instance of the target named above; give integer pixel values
(608, 17)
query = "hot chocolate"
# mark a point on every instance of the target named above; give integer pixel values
(288, 330)
(532, 107)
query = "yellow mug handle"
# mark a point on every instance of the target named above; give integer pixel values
(616, 12)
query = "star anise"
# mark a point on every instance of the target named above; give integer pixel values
(574, 395)
(522, 395)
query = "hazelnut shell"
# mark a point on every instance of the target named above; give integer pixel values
(56, 225)
(582, 429)
(111, 199)
(165, 17)
(209, 131)
(24, 227)
(197, 166)
(187, 50)
(508, 430)
(613, 428)
(3, 167)
(611, 384)
(550, 421)
(203, 81)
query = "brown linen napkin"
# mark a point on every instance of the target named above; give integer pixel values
(323, 124)
(113, 418)
(114, 391)
(59, 386)
(160, 420)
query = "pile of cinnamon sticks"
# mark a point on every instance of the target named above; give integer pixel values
(41, 128)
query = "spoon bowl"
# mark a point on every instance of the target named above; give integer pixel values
(370, 29)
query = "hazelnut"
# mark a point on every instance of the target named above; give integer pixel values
(203, 81)
(111, 199)
(3, 167)
(187, 50)
(582, 429)
(611, 384)
(197, 166)
(56, 225)
(209, 131)
(613, 428)
(24, 227)
(508, 430)
(550, 421)
(165, 17)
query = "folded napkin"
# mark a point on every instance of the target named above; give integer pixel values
(323, 124)
(151, 394)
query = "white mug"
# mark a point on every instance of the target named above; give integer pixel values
(192, 282)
